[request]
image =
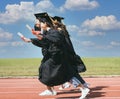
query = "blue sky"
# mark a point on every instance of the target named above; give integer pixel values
(93, 25)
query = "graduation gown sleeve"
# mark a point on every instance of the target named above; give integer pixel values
(39, 43)
(53, 36)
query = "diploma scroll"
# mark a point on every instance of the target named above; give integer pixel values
(20, 34)
(29, 28)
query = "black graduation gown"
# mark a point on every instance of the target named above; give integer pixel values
(76, 60)
(55, 68)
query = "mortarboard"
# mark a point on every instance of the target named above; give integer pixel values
(40, 15)
(44, 17)
(58, 19)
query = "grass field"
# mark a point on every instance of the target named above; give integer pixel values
(29, 67)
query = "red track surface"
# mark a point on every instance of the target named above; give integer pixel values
(101, 88)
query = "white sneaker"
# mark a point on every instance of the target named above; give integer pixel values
(48, 92)
(61, 88)
(64, 86)
(54, 92)
(85, 91)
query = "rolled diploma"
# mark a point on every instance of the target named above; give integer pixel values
(28, 27)
(20, 34)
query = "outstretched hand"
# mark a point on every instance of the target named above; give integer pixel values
(35, 32)
(40, 37)
(25, 39)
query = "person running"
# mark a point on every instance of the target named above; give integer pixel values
(54, 70)
(75, 59)
(76, 80)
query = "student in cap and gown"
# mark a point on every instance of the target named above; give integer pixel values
(70, 61)
(74, 59)
(54, 69)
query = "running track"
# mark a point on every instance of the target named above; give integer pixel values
(29, 88)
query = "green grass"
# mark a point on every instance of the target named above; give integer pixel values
(19, 67)
(102, 66)
(29, 67)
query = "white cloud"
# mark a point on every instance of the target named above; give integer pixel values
(6, 39)
(98, 26)
(25, 10)
(111, 45)
(114, 43)
(3, 44)
(93, 45)
(87, 32)
(44, 5)
(73, 28)
(13, 43)
(15, 12)
(102, 22)
(79, 5)
(17, 43)
(88, 43)
(84, 31)
(5, 35)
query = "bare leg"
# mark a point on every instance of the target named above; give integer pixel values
(49, 88)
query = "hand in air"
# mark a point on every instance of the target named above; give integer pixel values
(35, 32)
(25, 39)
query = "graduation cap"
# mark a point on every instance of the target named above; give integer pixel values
(57, 19)
(40, 15)
(44, 17)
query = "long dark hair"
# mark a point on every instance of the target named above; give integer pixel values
(61, 27)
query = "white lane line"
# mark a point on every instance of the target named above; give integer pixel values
(104, 98)
(22, 92)
(32, 91)
(19, 87)
(104, 90)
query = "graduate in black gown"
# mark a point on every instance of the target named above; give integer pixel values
(55, 67)
(74, 59)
